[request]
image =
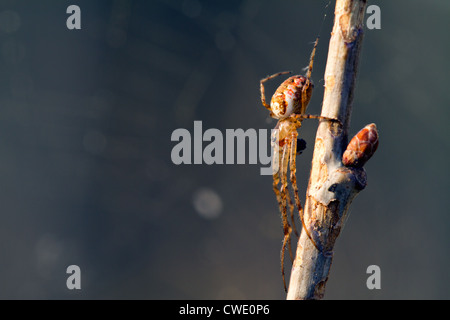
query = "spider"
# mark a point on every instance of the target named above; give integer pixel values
(288, 105)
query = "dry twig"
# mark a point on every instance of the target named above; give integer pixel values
(333, 184)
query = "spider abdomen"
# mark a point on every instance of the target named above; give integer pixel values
(287, 100)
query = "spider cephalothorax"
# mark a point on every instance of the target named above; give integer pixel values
(288, 105)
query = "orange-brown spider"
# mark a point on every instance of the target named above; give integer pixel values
(288, 105)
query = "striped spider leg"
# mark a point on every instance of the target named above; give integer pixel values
(288, 105)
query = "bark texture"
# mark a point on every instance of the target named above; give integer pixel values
(332, 185)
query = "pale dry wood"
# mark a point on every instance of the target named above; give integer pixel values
(332, 186)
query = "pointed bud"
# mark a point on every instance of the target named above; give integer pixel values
(362, 147)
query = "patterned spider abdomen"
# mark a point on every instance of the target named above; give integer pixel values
(362, 146)
(287, 99)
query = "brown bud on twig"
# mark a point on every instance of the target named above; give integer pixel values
(362, 147)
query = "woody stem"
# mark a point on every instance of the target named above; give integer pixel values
(332, 186)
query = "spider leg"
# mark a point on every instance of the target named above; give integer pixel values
(276, 181)
(291, 210)
(263, 93)
(298, 145)
(310, 116)
(303, 102)
(274, 76)
(311, 59)
(283, 192)
(277, 154)
(293, 171)
(308, 83)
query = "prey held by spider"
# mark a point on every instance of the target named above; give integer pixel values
(288, 105)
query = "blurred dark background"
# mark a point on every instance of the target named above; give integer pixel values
(86, 176)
